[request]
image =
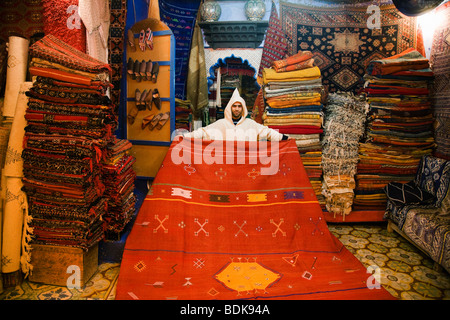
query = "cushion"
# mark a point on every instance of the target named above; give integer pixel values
(433, 176)
(445, 206)
(402, 194)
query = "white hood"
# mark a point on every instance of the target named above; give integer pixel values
(246, 129)
(235, 98)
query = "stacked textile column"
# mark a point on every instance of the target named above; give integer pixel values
(292, 91)
(400, 125)
(70, 121)
(345, 117)
(183, 114)
(119, 177)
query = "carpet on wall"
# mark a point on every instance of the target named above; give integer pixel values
(118, 12)
(220, 231)
(341, 41)
(19, 17)
(61, 19)
(180, 17)
(274, 44)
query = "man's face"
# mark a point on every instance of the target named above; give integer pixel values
(236, 110)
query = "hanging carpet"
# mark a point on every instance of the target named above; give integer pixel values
(248, 230)
(180, 17)
(343, 41)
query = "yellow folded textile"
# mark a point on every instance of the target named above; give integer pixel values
(294, 96)
(307, 101)
(373, 160)
(309, 154)
(293, 116)
(308, 143)
(297, 75)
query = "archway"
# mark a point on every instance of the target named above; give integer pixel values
(234, 73)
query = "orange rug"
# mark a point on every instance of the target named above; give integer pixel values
(248, 230)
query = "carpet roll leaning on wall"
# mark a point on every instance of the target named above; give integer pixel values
(11, 229)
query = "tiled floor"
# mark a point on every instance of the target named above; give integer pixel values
(404, 270)
(100, 287)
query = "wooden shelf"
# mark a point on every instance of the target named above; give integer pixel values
(234, 34)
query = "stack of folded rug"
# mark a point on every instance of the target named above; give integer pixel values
(400, 125)
(292, 94)
(345, 117)
(70, 122)
(183, 114)
(118, 176)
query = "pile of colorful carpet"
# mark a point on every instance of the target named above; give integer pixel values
(400, 125)
(293, 105)
(118, 176)
(68, 140)
(183, 114)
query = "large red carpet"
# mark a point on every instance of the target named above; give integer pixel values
(232, 231)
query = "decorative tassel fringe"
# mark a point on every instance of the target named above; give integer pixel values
(344, 127)
(25, 259)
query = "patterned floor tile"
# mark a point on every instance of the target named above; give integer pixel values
(404, 270)
(100, 287)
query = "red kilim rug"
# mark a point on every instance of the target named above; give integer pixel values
(248, 230)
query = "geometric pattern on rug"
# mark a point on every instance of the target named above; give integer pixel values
(342, 41)
(100, 287)
(23, 18)
(404, 271)
(206, 226)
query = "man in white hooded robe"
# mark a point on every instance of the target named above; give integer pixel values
(236, 126)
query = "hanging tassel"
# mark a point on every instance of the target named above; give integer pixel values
(27, 232)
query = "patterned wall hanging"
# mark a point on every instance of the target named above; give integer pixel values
(61, 19)
(342, 40)
(20, 17)
(275, 43)
(180, 17)
(118, 11)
